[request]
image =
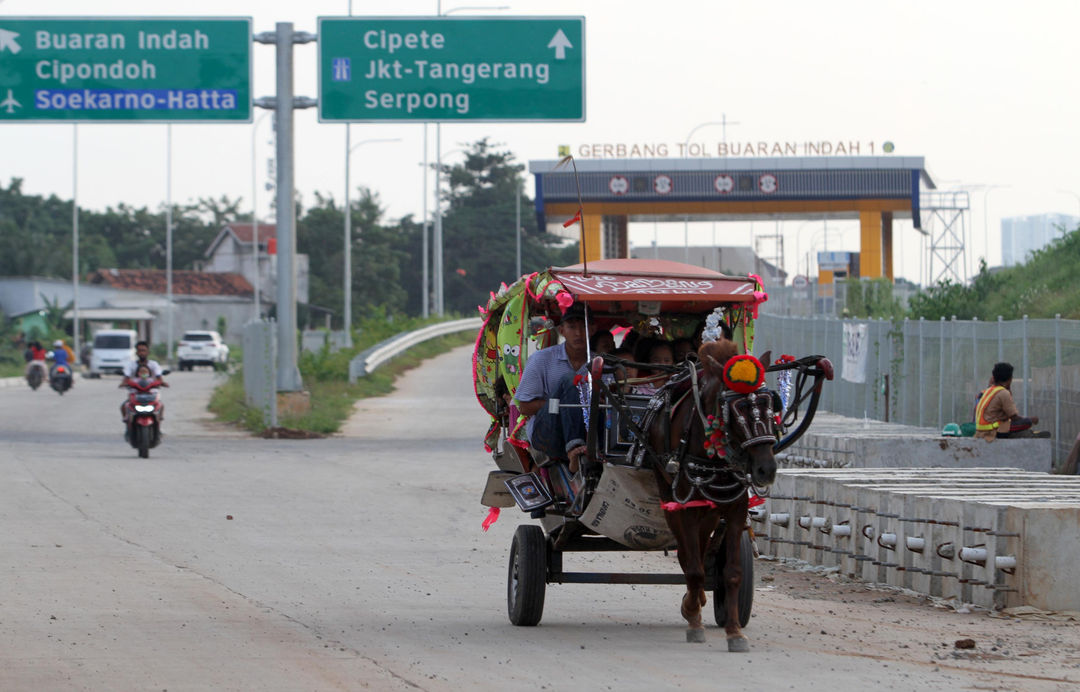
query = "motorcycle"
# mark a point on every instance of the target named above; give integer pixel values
(143, 411)
(35, 374)
(60, 378)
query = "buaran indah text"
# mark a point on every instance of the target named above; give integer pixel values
(144, 40)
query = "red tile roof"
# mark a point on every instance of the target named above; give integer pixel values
(244, 232)
(185, 282)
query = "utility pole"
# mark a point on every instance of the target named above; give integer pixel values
(283, 103)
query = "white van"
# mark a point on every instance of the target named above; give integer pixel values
(112, 349)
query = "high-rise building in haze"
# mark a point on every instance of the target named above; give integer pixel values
(1022, 235)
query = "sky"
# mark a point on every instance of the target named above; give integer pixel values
(984, 90)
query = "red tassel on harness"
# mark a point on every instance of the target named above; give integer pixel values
(492, 517)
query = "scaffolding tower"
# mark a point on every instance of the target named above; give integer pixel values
(944, 222)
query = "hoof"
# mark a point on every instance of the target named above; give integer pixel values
(738, 645)
(696, 636)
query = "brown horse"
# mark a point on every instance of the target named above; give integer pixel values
(705, 495)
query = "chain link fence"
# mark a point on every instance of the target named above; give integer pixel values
(929, 373)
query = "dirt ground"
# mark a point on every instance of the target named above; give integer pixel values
(1013, 650)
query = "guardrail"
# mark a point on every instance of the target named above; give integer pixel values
(368, 360)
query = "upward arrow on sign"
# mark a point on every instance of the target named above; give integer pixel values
(7, 41)
(560, 43)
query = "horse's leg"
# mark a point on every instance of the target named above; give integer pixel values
(735, 521)
(691, 559)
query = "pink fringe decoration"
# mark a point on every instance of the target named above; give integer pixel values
(564, 300)
(676, 506)
(492, 517)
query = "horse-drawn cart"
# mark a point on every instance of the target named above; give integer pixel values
(674, 467)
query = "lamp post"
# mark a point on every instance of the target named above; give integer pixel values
(168, 240)
(348, 230)
(437, 269)
(986, 223)
(437, 261)
(75, 235)
(798, 235)
(824, 239)
(723, 123)
(255, 214)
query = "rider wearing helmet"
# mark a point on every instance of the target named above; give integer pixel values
(60, 354)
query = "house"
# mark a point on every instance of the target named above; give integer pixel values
(199, 298)
(233, 251)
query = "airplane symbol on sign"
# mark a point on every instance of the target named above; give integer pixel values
(10, 104)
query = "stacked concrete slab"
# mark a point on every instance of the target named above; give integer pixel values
(995, 537)
(838, 442)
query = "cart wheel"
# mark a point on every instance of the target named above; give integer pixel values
(527, 578)
(746, 588)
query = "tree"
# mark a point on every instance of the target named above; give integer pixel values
(479, 244)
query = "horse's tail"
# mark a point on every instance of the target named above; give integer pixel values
(714, 354)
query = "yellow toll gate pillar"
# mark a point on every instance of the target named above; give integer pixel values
(592, 248)
(870, 245)
(887, 242)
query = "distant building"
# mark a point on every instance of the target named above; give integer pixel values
(233, 251)
(1022, 235)
(135, 298)
(736, 261)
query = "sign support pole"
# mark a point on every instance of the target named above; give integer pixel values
(288, 374)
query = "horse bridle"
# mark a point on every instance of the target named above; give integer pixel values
(752, 414)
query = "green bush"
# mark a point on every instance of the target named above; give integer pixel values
(326, 378)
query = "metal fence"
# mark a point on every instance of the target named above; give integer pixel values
(368, 360)
(929, 373)
(260, 368)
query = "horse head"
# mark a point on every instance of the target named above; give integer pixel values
(734, 387)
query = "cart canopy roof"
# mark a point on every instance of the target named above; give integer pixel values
(680, 287)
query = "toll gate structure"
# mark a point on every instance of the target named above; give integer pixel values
(873, 189)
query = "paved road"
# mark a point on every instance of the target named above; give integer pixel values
(354, 562)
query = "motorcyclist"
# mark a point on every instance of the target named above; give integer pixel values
(59, 343)
(35, 356)
(142, 366)
(142, 357)
(60, 357)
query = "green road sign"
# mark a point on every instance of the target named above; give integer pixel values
(77, 69)
(451, 69)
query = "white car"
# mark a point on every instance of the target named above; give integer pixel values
(202, 348)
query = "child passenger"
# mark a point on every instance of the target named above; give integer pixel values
(659, 353)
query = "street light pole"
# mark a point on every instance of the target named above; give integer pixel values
(723, 123)
(437, 270)
(255, 214)
(168, 240)
(348, 231)
(517, 224)
(425, 289)
(75, 235)
(986, 223)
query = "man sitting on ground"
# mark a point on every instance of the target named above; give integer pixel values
(996, 414)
